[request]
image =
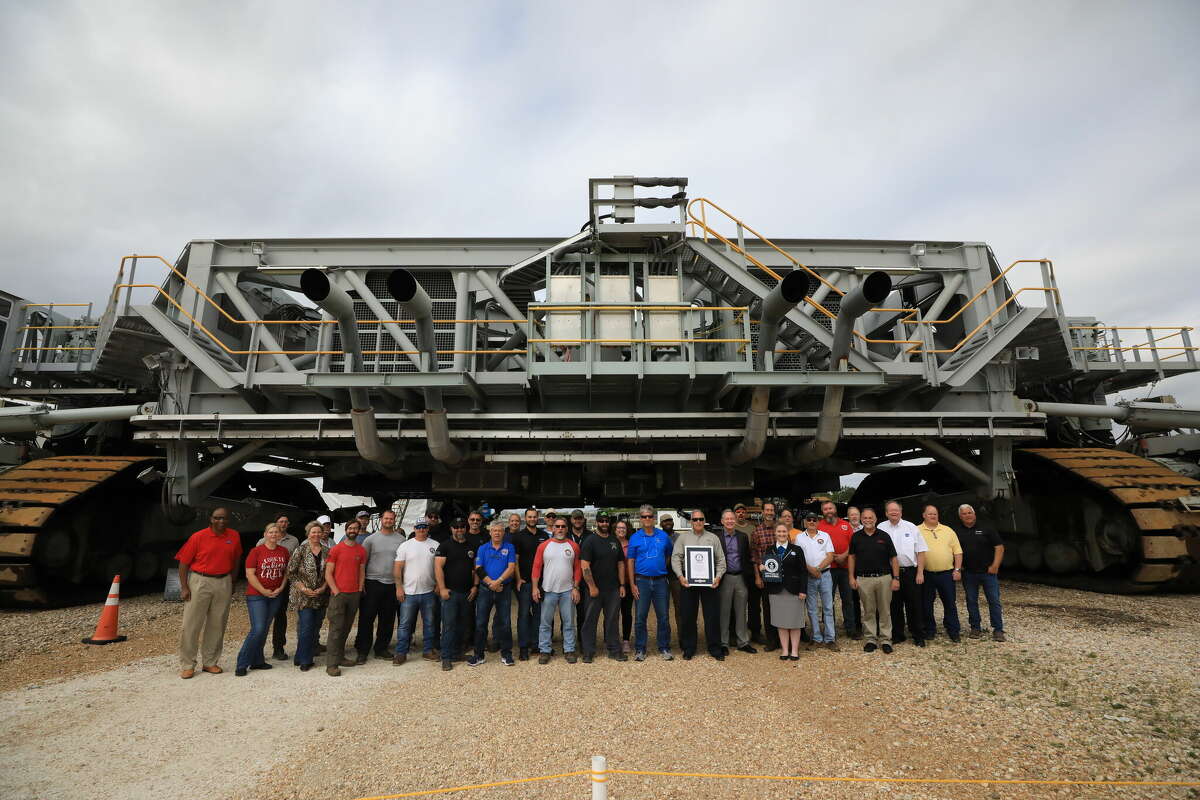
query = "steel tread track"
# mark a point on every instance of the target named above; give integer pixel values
(30, 495)
(1149, 492)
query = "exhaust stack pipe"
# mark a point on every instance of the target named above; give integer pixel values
(317, 287)
(412, 298)
(794, 287)
(871, 292)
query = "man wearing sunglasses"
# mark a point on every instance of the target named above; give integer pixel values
(646, 558)
(706, 598)
(556, 574)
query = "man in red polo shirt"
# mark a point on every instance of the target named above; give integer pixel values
(207, 562)
(840, 531)
(345, 572)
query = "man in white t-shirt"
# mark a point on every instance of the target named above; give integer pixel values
(910, 552)
(415, 585)
(818, 553)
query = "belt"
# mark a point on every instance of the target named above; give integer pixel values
(729, 572)
(205, 574)
(908, 569)
(937, 571)
(648, 577)
(872, 574)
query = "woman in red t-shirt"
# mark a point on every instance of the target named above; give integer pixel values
(265, 567)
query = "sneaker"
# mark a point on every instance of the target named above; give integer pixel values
(869, 647)
(571, 659)
(666, 655)
(475, 661)
(524, 654)
(263, 665)
(506, 661)
(998, 636)
(240, 672)
(280, 655)
(447, 666)
(543, 658)
(746, 648)
(587, 659)
(975, 634)
(833, 645)
(640, 655)
(399, 659)
(886, 648)
(430, 656)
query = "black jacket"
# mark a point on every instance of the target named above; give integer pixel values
(795, 571)
(743, 545)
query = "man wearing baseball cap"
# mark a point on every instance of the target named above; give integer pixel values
(327, 528)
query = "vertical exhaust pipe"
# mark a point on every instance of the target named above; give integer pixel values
(794, 287)
(413, 299)
(317, 287)
(871, 292)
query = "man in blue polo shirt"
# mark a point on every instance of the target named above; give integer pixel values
(495, 564)
(647, 560)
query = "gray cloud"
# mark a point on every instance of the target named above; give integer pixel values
(1064, 130)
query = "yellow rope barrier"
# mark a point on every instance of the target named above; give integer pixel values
(478, 786)
(843, 779)
(790, 778)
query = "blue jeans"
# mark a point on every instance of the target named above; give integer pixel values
(484, 603)
(454, 624)
(652, 590)
(308, 625)
(262, 612)
(820, 590)
(971, 582)
(561, 602)
(529, 617)
(408, 622)
(941, 585)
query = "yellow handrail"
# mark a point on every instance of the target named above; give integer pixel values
(701, 221)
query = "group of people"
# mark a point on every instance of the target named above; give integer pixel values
(765, 583)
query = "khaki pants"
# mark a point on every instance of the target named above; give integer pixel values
(876, 596)
(206, 613)
(342, 608)
(734, 598)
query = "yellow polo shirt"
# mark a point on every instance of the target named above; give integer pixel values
(943, 546)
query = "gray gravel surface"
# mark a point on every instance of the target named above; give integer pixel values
(1088, 686)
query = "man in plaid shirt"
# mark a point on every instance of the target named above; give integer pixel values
(762, 631)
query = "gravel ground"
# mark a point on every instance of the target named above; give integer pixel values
(1088, 686)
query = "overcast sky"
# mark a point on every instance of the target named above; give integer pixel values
(1065, 130)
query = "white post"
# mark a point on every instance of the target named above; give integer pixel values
(599, 778)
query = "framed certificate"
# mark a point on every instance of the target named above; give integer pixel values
(699, 565)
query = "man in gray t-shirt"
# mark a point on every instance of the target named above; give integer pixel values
(379, 593)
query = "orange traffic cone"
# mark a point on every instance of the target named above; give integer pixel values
(106, 628)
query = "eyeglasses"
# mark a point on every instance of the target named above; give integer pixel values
(647, 516)
(560, 524)
(697, 519)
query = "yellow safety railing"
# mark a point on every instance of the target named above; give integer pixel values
(700, 220)
(1108, 341)
(200, 293)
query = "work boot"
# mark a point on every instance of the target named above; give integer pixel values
(998, 636)
(543, 658)
(430, 656)
(524, 653)
(333, 672)
(975, 634)
(399, 659)
(571, 658)
(447, 666)
(833, 646)
(280, 655)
